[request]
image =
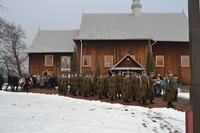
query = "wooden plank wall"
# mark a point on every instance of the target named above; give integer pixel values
(119, 49)
(36, 63)
(172, 52)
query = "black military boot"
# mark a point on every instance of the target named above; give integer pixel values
(134, 99)
(171, 105)
(112, 98)
(106, 96)
(139, 101)
(151, 101)
(119, 97)
(144, 102)
(127, 101)
(100, 97)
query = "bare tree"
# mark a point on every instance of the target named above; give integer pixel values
(11, 42)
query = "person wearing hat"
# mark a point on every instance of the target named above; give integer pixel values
(9, 81)
(80, 84)
(1, 81)
(145, 83)
(169, 95)
(134, 88)
(93, 85)
(75, 84)
(86, 85)
(119, 84)
(71, 83)
(15, 83)
(112, 86)
(100, 86)
(151, 87)
(106, 86)
(126, 89)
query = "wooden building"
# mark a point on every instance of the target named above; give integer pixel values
(51, 52)
(119, 42)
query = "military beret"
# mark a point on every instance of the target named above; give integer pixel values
(134, 73)
(151, 73)
(120, 72)
(144, 72)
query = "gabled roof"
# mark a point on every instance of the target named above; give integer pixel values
(124, 26)
(53, 41)
(139, 67)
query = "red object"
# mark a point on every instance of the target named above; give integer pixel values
(189, 121)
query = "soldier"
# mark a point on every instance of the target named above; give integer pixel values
(106, 86)
(169, 96)
(119, 84)
(65, 85)
(134, 89)
(80, 84)
(86, 85)
(75, 85)
(126, 91)
(15, 83)
(59, 83)
(100, 86)
(140, 92)
(93, 85)
(145, 84)
(112, 86)
(151, 87)
(71, 83)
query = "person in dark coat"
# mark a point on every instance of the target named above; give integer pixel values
(9, 82)
(100, 86)
(170, 94)
(126, 89)
(15, 83)
(27, 83)
(1, 81)
(53, 82)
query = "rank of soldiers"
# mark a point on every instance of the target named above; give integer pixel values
(136, 87)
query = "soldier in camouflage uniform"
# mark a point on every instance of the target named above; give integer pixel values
(59, 83)
(119, 84)
(170, 94)
(134, 89)
(100, 86)
(112, 86)
(106, 85)
(80, 84)
(86, 85)
(151, 87)
(126, 91)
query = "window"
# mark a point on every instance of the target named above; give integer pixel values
(48, 60)
(108, 60)
(185, 61)
(86, 61)
(159, 60)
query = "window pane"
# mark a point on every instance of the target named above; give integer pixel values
(108, 61)
(86, 61)
(160, 61)
(185, 61)
(49, 60)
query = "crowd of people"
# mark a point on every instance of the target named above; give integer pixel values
(134, 86)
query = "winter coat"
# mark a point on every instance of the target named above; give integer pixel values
(15, 81)
(9, 79)
(100, 86)
(126, 90)
(1, 80)
(170, 91)
(134, 88)
(112, 86)
(145, 86)
(151, 88)
(42, 80)
(141, 91)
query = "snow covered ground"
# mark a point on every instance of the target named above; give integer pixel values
(40, 113)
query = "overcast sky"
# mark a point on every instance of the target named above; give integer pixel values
(67, 14)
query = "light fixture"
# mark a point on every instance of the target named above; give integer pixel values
(127, 59)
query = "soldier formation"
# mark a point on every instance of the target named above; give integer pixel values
(135, 87)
